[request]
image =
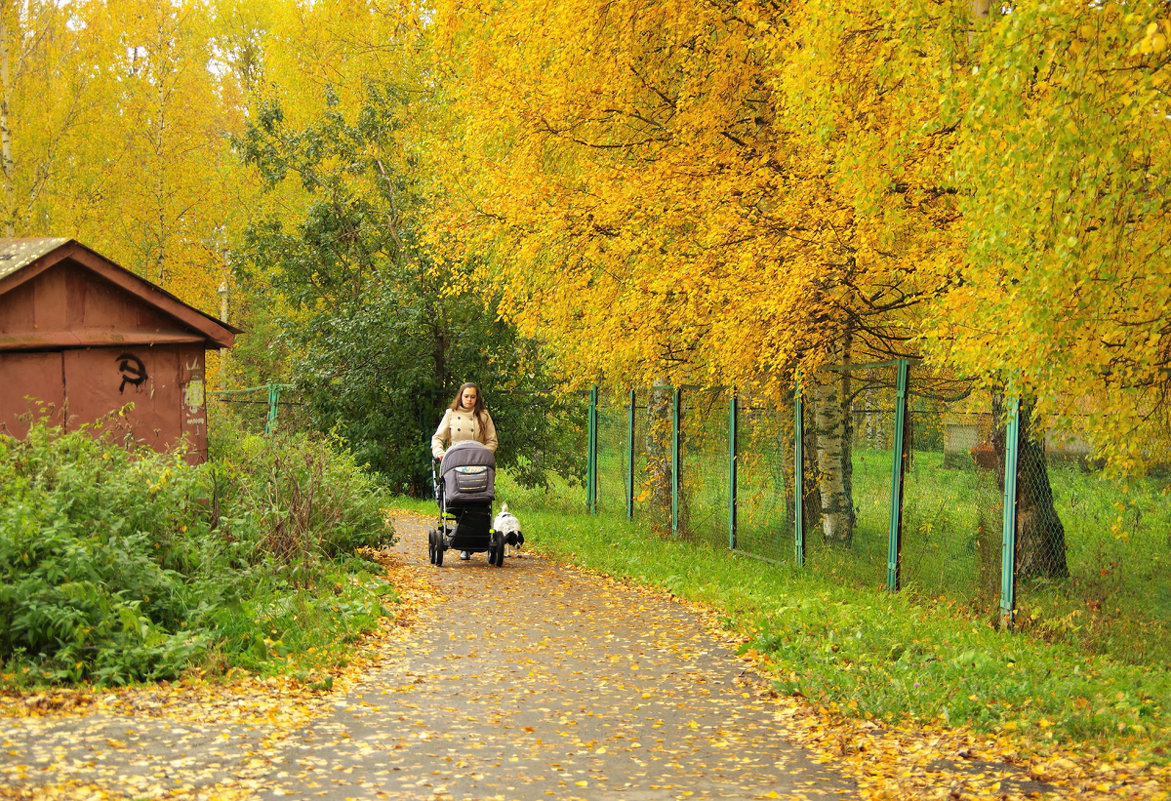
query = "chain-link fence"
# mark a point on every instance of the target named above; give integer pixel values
(766, 491)
(809, 480)
(901, 484)
(952, 503)
(262, 409)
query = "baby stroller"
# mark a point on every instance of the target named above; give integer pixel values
(464, 489)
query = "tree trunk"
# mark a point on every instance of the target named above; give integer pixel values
(831, 423)
(811, 486)
(6, 165)
(979, 10)
(657, 477)
(872, 418)
(1040, 535)
(810, 492)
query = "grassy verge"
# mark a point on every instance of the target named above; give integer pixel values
(867, 653)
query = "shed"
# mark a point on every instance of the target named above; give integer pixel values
(86, 337)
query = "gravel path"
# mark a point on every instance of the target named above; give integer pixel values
(534, 681)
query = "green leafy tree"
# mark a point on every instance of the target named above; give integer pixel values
(377, 336)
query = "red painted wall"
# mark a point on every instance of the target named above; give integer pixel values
(86, 348)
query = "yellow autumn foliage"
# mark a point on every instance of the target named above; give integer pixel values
(722, 192)
(709, 191)
(706, 192)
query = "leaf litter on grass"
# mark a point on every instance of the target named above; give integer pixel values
(916, 761)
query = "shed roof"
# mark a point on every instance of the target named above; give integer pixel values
(21, 260)
(17, 253)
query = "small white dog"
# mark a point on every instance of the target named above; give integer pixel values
(507, 524)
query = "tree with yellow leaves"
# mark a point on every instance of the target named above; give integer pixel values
(720, 192)
(115, 132)
(694, 191)
(1065, 281)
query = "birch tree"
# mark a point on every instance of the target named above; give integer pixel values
(712, 192)
(46, 85)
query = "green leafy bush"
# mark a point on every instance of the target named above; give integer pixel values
(293, 498)
(119, 564)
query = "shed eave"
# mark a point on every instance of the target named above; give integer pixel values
(57, 340)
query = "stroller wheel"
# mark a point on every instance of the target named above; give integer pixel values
(496, 548)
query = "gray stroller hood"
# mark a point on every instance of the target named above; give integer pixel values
(468, 473)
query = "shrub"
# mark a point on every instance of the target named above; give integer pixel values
(119, 564)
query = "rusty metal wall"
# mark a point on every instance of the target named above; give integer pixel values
(160, 389)
(88, 348)
(23, 376)
(163, 384)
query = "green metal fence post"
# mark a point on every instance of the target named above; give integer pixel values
(732, 421)
(592, 458)
(274, 399)
(895, 543)
(676, 458)
(1008, 552)
(798, 476)
(630, 460)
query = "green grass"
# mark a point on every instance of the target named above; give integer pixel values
(1116, 602)
(898, 658)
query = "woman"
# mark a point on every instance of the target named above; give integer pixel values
(465, 419)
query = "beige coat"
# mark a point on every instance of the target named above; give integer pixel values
(459, 425)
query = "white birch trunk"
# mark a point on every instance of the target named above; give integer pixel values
(6, 125)
(834, 459)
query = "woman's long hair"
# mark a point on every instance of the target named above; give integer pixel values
(478, 409)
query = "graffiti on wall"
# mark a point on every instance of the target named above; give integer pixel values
(193, 396)
(132, 370)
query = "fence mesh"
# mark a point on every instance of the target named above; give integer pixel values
(766, 500)
(704, 465)
(613, 454)
(952, 497)
(1091, 554)
(1095, 567)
